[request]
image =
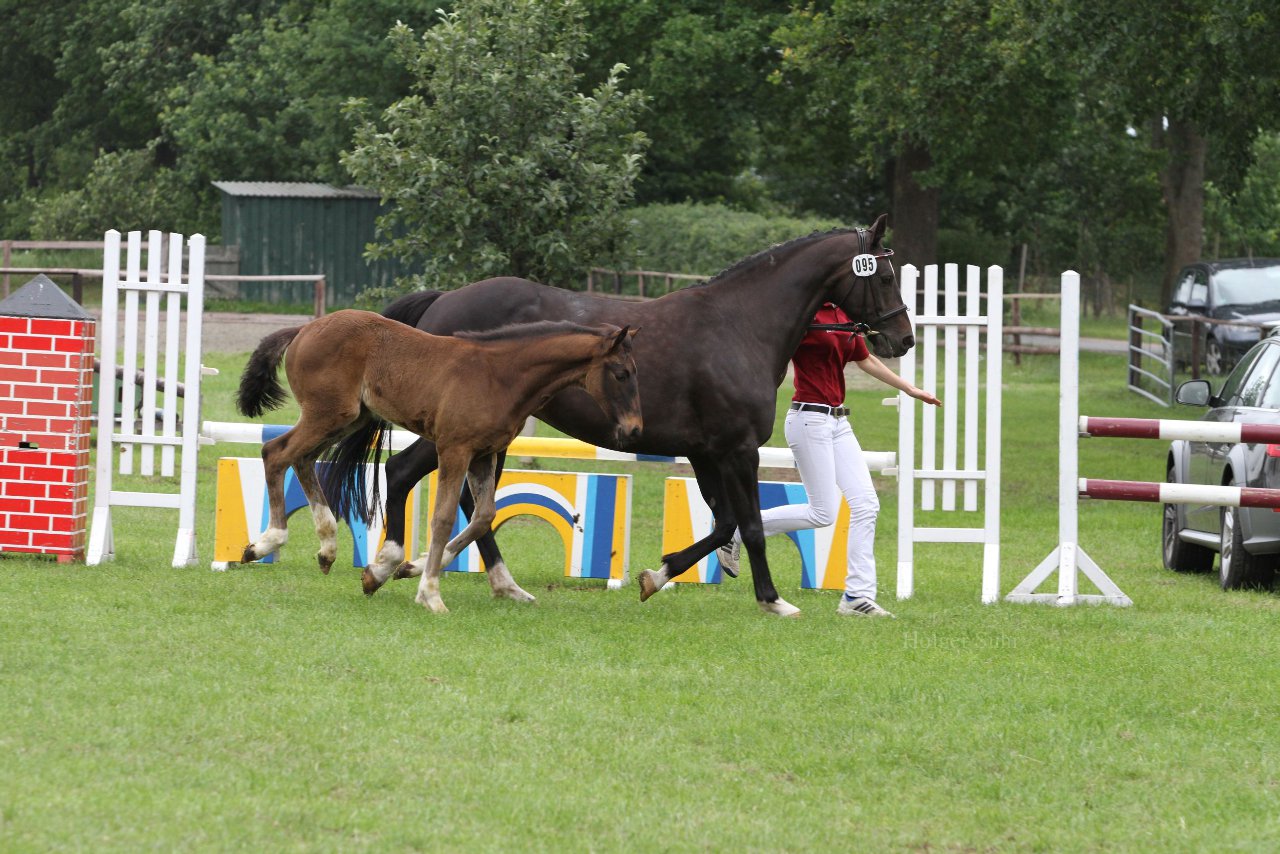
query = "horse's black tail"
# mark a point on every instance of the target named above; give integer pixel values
(343, 477)
(409, 308)
(260, 388)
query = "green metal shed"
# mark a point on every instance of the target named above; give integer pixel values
(288, 228)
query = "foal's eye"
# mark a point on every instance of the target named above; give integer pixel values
(621, 374)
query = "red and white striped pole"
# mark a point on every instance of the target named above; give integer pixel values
(1179, 493)
(1193, 431)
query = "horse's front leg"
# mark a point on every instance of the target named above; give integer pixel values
(742, 490)
(495, 566)
(742, 487)
(453, 467)
(675, 563)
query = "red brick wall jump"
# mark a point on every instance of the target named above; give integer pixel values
(46, 395)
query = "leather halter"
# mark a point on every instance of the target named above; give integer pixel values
(861, 328)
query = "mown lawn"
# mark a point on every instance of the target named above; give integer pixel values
(273, 708)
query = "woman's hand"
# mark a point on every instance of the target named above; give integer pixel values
(922, 395)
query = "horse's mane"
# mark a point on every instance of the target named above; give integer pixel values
(779, 247)
(536, 329)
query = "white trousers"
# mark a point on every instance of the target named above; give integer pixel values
(831, 464)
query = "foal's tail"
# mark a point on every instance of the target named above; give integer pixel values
(343, 479)
(260, 388)
(409, 308)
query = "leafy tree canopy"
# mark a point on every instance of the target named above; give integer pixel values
(497, 164)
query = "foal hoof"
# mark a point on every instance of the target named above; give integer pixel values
(648, 586)
(369, 582)
(780, 608)
(404, 570)
(248, 556)
(326, 563)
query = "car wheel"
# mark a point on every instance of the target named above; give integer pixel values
(1237, 568)
(1216, 361)
(1180, 556)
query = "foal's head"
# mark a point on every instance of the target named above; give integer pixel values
(612, 383)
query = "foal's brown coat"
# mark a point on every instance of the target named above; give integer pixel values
(470, 395)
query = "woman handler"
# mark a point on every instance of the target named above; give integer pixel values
(829, 458)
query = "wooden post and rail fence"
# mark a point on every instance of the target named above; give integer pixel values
(79, 274)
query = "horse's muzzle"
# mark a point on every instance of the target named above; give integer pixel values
(628, 432)
(887, 348)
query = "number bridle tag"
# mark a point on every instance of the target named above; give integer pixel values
(864, 265)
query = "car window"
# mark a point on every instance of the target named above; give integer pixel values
(1230, 393)
(1199, 288)
(1183, 291)
(1247, 286)
(1254, 387)
(1271, 394)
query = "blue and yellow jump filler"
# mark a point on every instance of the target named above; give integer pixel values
(591, 513)
(686, 518)
(242, 512)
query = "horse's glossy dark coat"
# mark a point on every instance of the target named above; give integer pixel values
(710, 359)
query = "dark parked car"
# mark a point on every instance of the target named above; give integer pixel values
(1247, 539)
(1246, 289)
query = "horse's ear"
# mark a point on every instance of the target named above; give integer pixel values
(878, 229)
(619, 338)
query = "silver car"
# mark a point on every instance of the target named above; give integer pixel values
(1247, 539)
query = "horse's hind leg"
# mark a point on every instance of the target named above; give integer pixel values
(277, 456)
(326, 523)
(298, 448)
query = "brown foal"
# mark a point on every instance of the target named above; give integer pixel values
(470, 394)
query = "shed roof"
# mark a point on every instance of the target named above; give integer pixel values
(293, 190)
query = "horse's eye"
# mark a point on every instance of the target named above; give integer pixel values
(620, 375)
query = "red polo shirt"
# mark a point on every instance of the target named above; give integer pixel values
(820, 359)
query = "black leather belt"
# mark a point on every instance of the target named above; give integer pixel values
(833, 411)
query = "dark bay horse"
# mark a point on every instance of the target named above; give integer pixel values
(710, 361)
(352, 372)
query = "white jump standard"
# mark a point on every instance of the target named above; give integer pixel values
(1067, 558)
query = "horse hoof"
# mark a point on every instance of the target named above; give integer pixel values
(326, 563)
(780, 608)
(515, 594)
(248, 556)
(434, 605)
(369, 582)
(404, 570)
(648, 586)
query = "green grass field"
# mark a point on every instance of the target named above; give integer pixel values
(274, 709)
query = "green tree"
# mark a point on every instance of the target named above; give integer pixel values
(497, 164)
(945, 92)
(175, 95)
(1197, 78)
(1247, 222)
(704, 67)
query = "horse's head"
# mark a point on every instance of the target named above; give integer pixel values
(867, 289)
(612, 382)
